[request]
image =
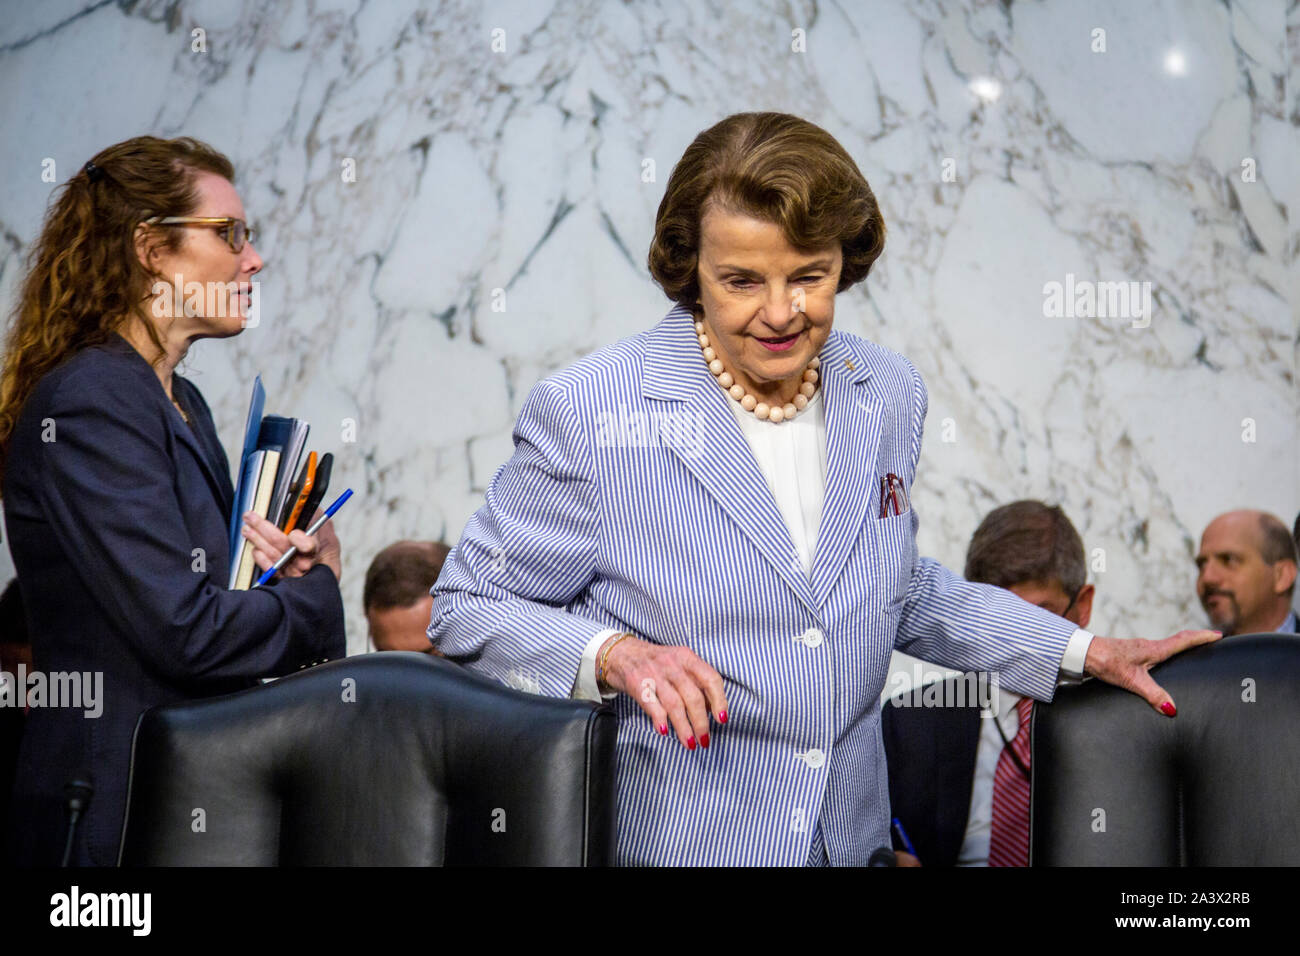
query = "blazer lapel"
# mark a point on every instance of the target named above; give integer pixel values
(721, 460)
(853, 418)
(218, 481)
(188, 436)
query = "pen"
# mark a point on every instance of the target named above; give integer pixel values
(293, 549)
(902, 836)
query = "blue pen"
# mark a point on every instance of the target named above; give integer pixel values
(902, 835)
(288, 555)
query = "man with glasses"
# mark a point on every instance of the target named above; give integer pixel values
(959, 784)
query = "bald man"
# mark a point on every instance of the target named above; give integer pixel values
(1246, 574)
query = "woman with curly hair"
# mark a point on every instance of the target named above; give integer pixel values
(117, 492)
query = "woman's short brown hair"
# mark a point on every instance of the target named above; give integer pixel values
(775, 167)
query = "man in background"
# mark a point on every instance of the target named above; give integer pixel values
(959, 784)
(396, 594)
(1246, 571)
(1295, 538)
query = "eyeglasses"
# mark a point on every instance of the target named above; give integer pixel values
(235, 231)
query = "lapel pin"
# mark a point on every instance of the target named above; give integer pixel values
(848, 363)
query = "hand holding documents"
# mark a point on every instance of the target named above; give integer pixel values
(306, 551)
(315, 527)
(273, 447)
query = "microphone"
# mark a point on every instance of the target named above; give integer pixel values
(883, 856)
(77, 792)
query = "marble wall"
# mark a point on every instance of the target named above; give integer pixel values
(1011, 145)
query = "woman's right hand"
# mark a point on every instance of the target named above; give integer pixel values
(269, 543)
(670, 684)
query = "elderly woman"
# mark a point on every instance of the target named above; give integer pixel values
(117, 493)
(710, 523)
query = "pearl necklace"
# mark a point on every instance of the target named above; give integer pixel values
(761, 410)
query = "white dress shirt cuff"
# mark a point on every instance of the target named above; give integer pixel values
(1076, 652)
(584, 688)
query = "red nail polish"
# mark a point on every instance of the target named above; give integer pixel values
(704, 741)
(722, 717)
(1168, 708)
(690, 743)
(663, 730)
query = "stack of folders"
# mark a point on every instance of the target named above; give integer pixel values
(272, 452)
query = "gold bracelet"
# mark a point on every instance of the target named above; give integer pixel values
(600, 665)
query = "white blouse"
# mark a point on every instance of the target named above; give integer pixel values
(792, 457)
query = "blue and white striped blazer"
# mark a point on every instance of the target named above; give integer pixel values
(633, 501)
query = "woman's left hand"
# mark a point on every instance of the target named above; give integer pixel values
(1127, 663)
(269, 543)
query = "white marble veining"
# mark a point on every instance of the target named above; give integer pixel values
(521, 171)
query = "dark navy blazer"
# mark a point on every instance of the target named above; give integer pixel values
(117, 513)
(930, 752)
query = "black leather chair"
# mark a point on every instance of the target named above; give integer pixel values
(384, 759)
(1116, 784)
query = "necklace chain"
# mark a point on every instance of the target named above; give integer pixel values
(760, 410)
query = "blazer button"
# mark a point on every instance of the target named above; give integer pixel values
(813, 637)
(814, 758)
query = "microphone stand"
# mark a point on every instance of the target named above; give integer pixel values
(78, 793)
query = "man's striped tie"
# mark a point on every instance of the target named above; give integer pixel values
(1009, 837)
